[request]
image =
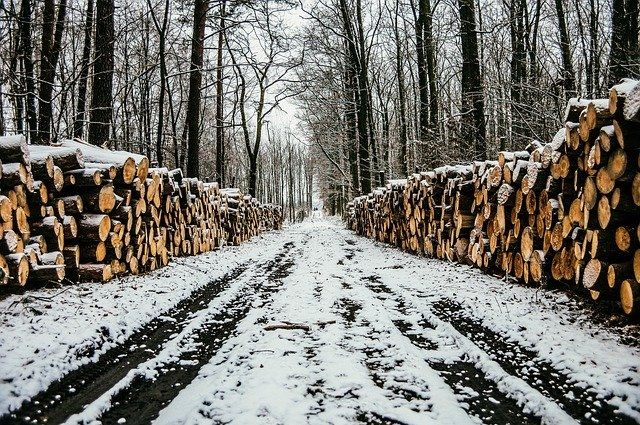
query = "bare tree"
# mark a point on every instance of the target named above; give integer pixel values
(102, 88)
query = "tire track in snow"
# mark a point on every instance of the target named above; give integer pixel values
(577, 399)
(481, 395)
(143, 399)
(381, 366)
(85, 384)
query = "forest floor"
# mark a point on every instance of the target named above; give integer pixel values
(313, 324)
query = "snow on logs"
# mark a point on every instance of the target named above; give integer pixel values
(85, 213)
(566, 212)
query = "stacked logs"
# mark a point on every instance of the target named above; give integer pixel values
(563, 213)
(87, 213)
(29, 232)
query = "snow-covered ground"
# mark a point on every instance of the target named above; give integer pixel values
(363, 333)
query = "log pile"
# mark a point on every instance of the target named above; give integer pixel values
(85, 213)
(563, 213)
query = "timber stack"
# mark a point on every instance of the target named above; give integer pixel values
(564, 213)
(86, 213)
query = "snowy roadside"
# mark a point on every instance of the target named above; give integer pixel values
(320, 376)
(43, 339)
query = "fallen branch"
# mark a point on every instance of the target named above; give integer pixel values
(287, 326)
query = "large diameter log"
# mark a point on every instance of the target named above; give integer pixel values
(101, 200)
(595, 275)
(66, 158)
(14, 149)
(94, 227)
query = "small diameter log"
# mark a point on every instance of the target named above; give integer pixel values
(527, 243)
(625, 237)
(94, 273)
(41, 165)
(47, 273)
(73, 204)
(69, 226)
(58, 179)
(618, 272)
(18, 265)
(71, 256)
(631, 108)
(9, 243)
(6, 209)
(86, 176)
(537, 266)
(92, 252)
(630, 297)
(4, 271)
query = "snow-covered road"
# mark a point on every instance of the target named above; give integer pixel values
(389, 338)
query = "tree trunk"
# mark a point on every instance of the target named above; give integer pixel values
(633, 55)
(423, 84)
(220, 147)
(162, 34)
(472, 90)
(568, 76)
(16, 86)
(102, 87)
(26, 50)
(516, 15)
(78, 125)
(351, 125)
(429, 52)
(402, 115)
(49, 62)
(195, 81)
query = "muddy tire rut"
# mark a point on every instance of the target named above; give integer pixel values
(579, 402)
(480, 395)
